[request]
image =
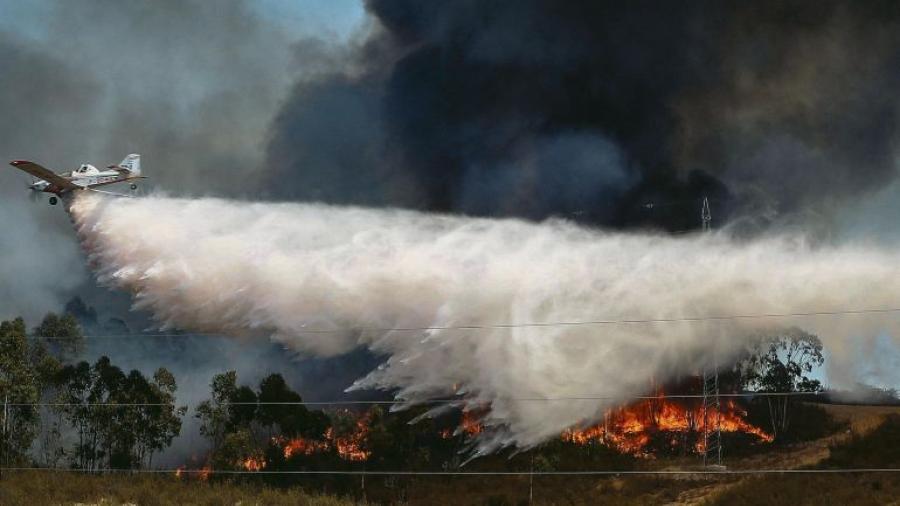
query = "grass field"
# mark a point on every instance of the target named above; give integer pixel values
(39, 488)
(874, 446)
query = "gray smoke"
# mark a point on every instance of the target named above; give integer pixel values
(325, 280)
(190, 85)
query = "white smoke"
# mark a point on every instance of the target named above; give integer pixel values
(290, 270)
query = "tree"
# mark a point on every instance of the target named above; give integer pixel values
(782, 364)
(164, 420)
(62, 334)
(150, 425)
(215, 414)
(241, 422)
(25, 369)
(236, 447)
(83, 313)
(288, 417)
(121, 419)
(74, 382)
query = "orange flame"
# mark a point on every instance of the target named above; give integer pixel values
(628, 429)
(470, 424)
(253, 463)
(204, 473)
(299, 446)
(348, 447)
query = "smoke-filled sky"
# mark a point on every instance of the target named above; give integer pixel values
(613, 115)
(780, 112)
(325, 280)
(192, 86)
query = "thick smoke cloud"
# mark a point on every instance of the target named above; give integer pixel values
(183, 83)
(39, 260)
(779, 110)
(325, 280)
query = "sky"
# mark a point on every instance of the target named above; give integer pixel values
(192, 86)
(443, 107)
(91, 81)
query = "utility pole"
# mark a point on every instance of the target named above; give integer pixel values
(705, 215)
(712, 436)
(5, 430)
(531, 482)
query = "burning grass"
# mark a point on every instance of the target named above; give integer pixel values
(349, 445)
(643, 429)
(634, 428)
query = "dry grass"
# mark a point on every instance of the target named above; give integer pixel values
(868, 445)
(34, 488)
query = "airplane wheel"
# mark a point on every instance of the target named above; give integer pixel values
(133, 186)
(52, 201)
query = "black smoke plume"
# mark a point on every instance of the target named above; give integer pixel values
(595, 109)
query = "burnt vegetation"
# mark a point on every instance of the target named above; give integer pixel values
(97, 417)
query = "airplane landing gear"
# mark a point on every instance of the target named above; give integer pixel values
(53, 201)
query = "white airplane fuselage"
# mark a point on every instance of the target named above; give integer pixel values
(90, 178)
(85, 178)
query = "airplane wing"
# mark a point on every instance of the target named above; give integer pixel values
(42, 173)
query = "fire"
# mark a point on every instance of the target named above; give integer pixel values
(349, 446)
(471, 423)
(731, 419)
(201, 474)
(253, 463)
(628, 429)
(299, 446)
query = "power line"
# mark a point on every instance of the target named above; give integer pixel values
(500, 326)
(706, 471)
(430, 401)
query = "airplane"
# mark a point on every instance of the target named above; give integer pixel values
(84, 178)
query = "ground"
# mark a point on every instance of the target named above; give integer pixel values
(41, 487)
(861, 420)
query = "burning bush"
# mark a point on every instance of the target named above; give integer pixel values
(655, 425)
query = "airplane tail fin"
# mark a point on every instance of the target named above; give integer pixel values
(132, 162)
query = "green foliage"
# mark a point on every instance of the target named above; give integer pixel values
(25, 370)
(233, 417)
(289, 420)
(782, 363)
(217, 415)
(62, 334)
(110, 434)
(236, 447)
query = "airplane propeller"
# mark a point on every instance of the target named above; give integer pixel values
(33, 195)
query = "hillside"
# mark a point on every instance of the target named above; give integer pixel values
(871, 439)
